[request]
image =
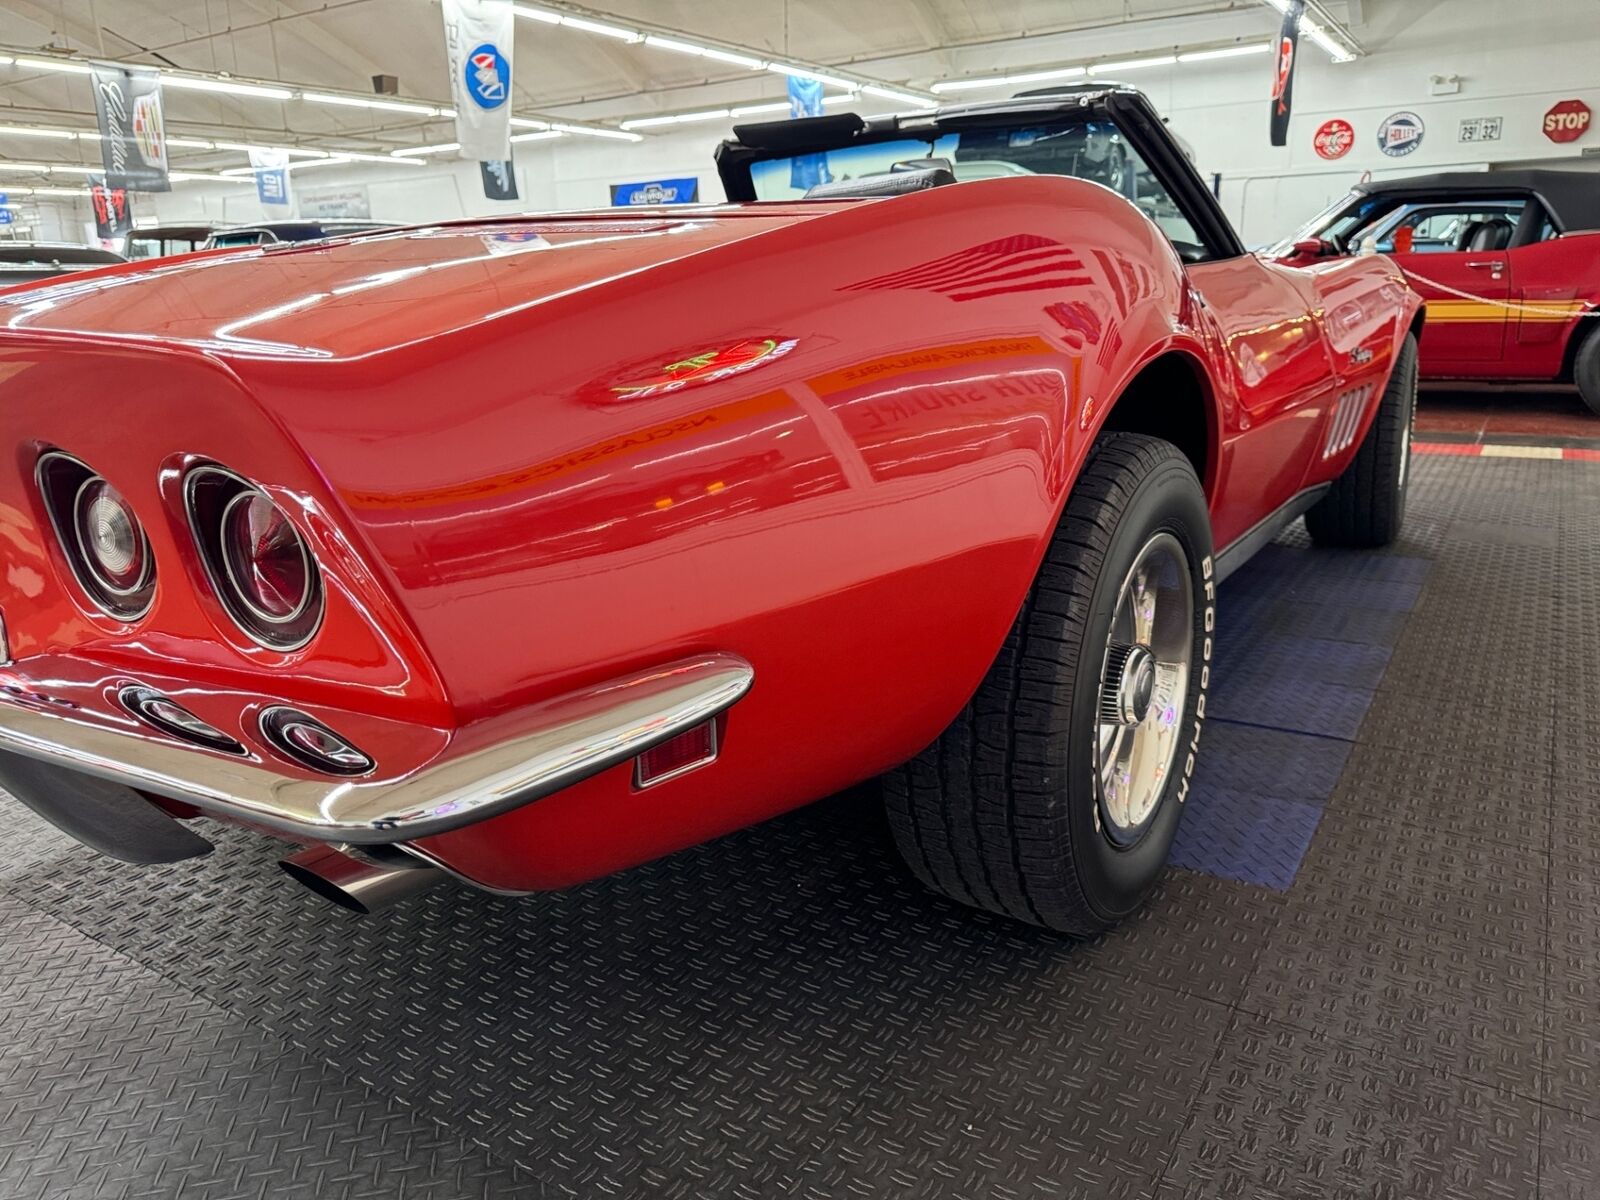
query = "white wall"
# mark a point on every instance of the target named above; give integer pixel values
(1513, 60)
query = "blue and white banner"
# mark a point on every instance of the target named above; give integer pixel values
(6, 210)
(805, 100)
(272, 176)
(478, 39)
(656, 191)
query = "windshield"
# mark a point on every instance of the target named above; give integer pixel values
(1091, 150)
(1335, 223)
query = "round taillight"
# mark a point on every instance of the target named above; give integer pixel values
(109, 538)
(265, 558)
(99, 536)
(261, 566)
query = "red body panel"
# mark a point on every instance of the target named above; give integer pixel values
(1507, 315)
(531, 455)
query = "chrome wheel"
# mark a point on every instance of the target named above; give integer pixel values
(1144, 687)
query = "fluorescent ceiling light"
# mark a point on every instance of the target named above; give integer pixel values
(1226, 52)
(883, 93)
(519, 138)
(592, 131)
(247, 147)
(400, 106)
(26, 168)
(35, 131)
(1134, 64)
(807, 73)
(226, 87)
(751, 110)
(526, 123)
(730, 56)
(190, 143)
(727, 56)
(712, 114)
(439, 148)
(1334, 46)
(964, 85)
(603, 29)
(53, 64)
(537, 14)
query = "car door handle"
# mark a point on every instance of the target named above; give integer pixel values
(1487, 264)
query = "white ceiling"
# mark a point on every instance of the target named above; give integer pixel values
(342, 43)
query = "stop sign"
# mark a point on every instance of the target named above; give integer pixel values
(1567, 121)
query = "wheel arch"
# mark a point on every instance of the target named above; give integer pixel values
(1171, 397)
(1584, 327)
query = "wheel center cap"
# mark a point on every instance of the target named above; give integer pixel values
(1130, 685)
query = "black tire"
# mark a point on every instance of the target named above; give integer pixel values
(1586, 370)
(1367, 504)
(1003, 811)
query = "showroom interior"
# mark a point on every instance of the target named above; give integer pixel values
(938, 598)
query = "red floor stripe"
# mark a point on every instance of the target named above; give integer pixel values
(1476, 449)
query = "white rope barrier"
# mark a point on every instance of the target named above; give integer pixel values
(1532, 309)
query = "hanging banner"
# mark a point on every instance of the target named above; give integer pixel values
(1283, 80)
(133, 139)
(478, 41)
(499, 180)
(113, 214)
(272, 176)
(6, 211)
(656, 191)
(805, 100)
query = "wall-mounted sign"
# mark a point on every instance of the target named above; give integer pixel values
(1481, 129)
(1568, 121)
(1400, 134)
(656, 191)
(7, 213)
(335, 202)
(1334, 139)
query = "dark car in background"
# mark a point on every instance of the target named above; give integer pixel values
(163, 241)
(25, 262)
(265, 233)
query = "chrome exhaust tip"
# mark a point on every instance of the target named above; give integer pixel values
(365, 884)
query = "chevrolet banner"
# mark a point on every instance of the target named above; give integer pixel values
(133, 139)
(478, 42)
(1283, 78)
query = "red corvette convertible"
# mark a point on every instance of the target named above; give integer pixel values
(526, 550)
(1508, 262)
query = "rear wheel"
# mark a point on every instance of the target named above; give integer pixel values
(1055, 794)
(1367, 504)
(1586, 371)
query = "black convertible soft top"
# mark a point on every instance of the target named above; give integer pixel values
(1573, 197)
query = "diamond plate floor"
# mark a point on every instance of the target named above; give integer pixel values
(1415, 1014)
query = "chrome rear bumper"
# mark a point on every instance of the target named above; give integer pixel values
(483, 771)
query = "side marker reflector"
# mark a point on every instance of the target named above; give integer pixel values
(691, 749)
